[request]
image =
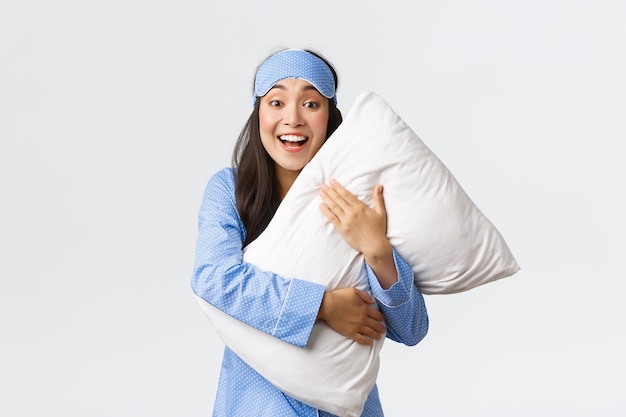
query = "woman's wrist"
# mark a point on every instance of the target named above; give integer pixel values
(382, 263)
(380, 252)
(321, 314)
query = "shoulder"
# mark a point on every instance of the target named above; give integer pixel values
(220, 189)
(223, 181)
(225, 176)
(219, 200)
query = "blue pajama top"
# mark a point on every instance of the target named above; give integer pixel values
(257, 297)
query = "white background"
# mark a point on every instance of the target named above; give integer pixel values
(114, 114)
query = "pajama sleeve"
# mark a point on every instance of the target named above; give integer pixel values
(283, 307)
(402, 305)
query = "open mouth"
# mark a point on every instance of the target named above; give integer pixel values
(293, 141)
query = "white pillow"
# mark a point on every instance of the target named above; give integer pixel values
(435, 227)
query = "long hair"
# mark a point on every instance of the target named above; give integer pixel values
(257, 192)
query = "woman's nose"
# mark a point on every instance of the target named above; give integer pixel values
(293, 116)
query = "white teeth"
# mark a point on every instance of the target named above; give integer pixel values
(292, 138)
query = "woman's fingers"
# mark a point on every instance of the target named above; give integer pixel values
(339, 203)
(365, 296)
(371, 330)
(340, 192)
(379, 200)
(338, 198)
(374, 330)
(330, 214)
(363, 227)
(335, 202)
(347, 312)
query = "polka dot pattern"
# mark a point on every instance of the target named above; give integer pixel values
(243, 392)
(283, 307)
(403, 305)
(294, 63)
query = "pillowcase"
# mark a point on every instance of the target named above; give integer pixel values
(432, 223)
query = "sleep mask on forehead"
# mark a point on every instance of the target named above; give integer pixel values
(294, 63)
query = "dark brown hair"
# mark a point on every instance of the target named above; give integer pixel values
(257, 192)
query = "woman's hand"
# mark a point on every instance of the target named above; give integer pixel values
(364, 228)
(348, 311)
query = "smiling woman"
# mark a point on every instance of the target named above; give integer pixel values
(293, 118)
(294, 114)
(257, 192)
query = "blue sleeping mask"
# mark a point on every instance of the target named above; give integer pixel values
(294, 63)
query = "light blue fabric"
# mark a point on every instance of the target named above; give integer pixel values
(257, 297)
(294, 63)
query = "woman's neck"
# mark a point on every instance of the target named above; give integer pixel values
(285, 180)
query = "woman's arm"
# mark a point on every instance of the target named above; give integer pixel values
(284, 308)
(362, 227)
(402, 304)
(391, 279)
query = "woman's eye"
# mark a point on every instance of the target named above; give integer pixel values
(310, 104)
(274, 103)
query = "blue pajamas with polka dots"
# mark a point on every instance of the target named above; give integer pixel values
(256, 297)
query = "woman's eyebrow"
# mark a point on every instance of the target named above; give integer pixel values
(279, 86)
(304, 88)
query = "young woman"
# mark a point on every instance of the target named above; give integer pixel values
(294, 113)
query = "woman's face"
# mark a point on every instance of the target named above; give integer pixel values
(293, 118)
